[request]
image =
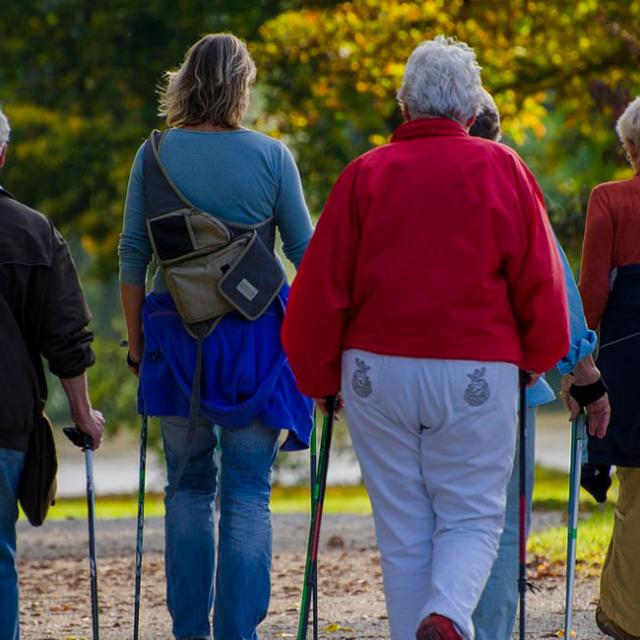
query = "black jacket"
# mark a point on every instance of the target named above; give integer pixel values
(42, 313)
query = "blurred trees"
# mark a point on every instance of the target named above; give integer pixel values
(565, 69)
(78, 81)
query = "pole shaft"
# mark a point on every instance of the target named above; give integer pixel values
(572, 524)
(311, 567)
(314, 474)
(140, 527)
(91, 519)
(522, 577)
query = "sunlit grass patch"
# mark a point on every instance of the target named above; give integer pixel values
(594, 532)
(107, 507)
(339, 500)
(551, 493)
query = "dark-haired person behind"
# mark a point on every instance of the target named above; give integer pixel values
(232, 178)
(610, 288)
(495, 615)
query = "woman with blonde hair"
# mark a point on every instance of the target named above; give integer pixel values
(610, 288)
(205, 198)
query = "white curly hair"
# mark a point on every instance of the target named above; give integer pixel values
(628, 125)
(5, 130)
(442, 78)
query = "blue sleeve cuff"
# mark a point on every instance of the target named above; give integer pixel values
(578, 350)
(540, 393)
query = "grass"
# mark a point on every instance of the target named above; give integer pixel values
(594, 532)
(594, 526)
(339, 500)
(550, 494)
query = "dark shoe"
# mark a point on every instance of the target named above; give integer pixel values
(610, 628)
(596, 479)
(436, 627)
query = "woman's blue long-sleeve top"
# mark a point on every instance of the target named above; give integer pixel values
(239, 176)
(583, 340)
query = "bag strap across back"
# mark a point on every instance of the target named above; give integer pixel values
(163, 196)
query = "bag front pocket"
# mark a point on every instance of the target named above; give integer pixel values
(193, 283)
(253, 282)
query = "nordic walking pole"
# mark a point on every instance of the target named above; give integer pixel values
(311, 566)
(522, 532)
(140, 526)
(313, 476)
(578, 436)
(85, 442)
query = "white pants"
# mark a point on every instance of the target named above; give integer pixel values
(435, 440)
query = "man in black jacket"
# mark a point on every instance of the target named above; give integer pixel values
(42, 313)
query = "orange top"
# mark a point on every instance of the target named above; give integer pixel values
(611, 240)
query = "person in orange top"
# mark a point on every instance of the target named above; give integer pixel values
(610, 289)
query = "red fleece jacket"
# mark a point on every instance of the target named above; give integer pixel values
(436, 245)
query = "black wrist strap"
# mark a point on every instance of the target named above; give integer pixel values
(587, 394)
(134, 364)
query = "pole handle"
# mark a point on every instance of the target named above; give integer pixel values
(79, 438)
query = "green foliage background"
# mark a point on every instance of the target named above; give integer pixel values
(78, 81)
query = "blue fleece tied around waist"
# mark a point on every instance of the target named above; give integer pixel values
(246, 376)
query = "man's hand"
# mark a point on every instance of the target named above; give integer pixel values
(93, 425)
(599, 411)
(321, 403)
(598, 416)
(84, 416)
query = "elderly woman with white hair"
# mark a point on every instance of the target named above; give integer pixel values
(432, 277)
(610, 288)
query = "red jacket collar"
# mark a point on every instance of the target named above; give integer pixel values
(426, 127)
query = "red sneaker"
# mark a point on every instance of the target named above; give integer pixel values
(437, 627)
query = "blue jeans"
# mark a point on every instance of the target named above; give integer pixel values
(495, 615)
(242, 581)
(11, 464)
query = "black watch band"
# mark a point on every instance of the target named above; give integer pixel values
(587, 394)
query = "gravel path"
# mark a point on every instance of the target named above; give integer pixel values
(55, 585)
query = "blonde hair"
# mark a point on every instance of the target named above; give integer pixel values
(212, 84)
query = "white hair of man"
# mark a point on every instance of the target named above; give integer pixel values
(442, 78)
(628, 125)
(5, 131)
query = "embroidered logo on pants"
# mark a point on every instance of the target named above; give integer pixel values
(478, 392)
(361, 383)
